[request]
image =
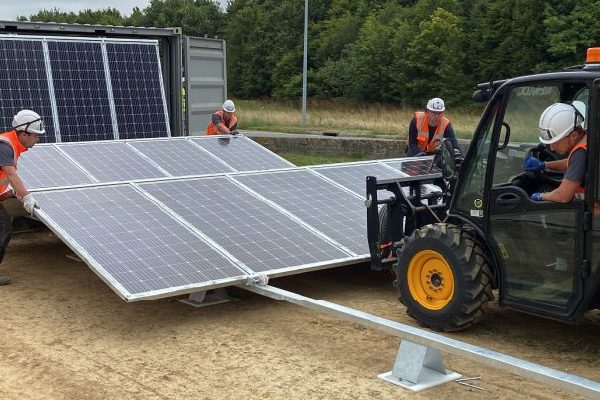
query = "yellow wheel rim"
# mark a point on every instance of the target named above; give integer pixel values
(430, 280)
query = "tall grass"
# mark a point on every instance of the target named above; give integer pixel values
(342, 117)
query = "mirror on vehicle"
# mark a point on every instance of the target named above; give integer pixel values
(447, 159)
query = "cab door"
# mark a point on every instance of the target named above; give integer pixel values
(539, 244)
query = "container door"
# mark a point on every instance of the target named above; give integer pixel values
(205, 82)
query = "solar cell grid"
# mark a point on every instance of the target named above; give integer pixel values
(111, 161)
(354, 176)
(261, 237)
(137, 90)
(24, 83)
(324, 206)
(180, 157)
(45, 167)
(82, 98)
(136, 247)
(414, 167)
(242, 153)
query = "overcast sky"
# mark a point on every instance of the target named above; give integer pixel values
(10, 9)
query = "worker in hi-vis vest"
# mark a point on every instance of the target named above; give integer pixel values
(27, 127)
(223, 122)
(561, 128)
(427, 129)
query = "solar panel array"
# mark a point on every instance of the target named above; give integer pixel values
(162, 231)
(85, 89)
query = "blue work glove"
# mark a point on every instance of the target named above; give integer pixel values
(537, 196)
(532, 164)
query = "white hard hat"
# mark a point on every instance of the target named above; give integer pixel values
(229, 106)
(28, 121)
(436, 105)
(557, 121)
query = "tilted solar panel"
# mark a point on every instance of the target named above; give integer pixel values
(137, 89)
(132, 244)
(45, 167)
(412, 167)
(241, 153)
(335, 212)
(261, 237)
(180, 157)
(112, 161)
(354, 176)
(24, 83)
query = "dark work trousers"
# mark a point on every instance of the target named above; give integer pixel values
(5, 230)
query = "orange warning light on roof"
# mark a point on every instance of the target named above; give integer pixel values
(593, 55)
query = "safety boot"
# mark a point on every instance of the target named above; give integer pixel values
(4, 280)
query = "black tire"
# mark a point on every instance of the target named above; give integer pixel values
(444, 279)
(384, 231)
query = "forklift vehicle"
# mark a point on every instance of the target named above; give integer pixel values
(481, 231)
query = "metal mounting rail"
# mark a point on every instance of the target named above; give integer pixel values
(526, 369)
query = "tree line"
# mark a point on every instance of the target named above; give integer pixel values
(397, 51)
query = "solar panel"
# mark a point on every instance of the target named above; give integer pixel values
(112, 161)
(324, 206)
(180, 157)
(131, 243)
(24, 82)
(260, 236)
(137, 89)
(44, 166)
(354, 176)
(412, 167)
(82, 98)
(242, 153)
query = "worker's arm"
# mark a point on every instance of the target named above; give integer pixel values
(222, 128)
(15, 181)
(450, 134)
(558, 165)
(413, 148)
(562, 194)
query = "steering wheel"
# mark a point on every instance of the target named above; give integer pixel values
(543, 154)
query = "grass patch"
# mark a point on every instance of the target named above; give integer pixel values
(345, 117)
(301, 159)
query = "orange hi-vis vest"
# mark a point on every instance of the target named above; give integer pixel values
(10, 137)
(582, 144)
(211, 129)
(423, 132)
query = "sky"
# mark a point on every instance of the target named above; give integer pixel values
(10, 9)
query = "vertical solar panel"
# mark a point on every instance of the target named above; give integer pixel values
(180, 157)
(24, 83)
(112, 161)
(324, 206)
(137, 248)
(44, 166)
(137, 90)
(260, 236)
(82, 97)
(242, 153)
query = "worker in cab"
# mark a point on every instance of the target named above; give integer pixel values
(561, 128)
(427, 130)
(223, 122)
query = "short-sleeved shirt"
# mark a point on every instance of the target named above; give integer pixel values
(7, 154)
(576, 169)
(217, 119)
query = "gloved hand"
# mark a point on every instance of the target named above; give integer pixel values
(537, 196)
(532, 164)
(234, 132)
(29, 203)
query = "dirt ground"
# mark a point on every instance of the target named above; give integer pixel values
(66, 335)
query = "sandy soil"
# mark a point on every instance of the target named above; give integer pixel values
(66, 335)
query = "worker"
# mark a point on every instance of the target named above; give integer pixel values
(223, 121)
(427, 129)
(561, 127)
(27, 127)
